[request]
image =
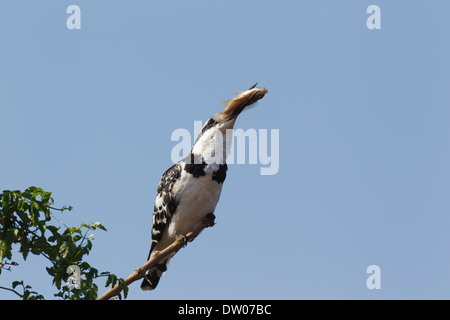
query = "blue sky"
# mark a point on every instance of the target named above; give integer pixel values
(363, 119)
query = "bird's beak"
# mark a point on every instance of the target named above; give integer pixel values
(242, 101)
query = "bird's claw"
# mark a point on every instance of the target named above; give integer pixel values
(185, 240)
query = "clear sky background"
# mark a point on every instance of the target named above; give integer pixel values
(363, 117)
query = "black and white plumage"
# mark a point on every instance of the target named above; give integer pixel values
(191, 188)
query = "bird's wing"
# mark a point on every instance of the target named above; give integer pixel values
(165, 204)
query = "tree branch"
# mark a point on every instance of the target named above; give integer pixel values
(157, 256)
(12, 290)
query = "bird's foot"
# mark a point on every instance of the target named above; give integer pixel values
(185, 240)
(184, 237)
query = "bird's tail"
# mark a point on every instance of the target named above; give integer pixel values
(152, 276)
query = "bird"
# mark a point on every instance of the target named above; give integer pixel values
(190, 189)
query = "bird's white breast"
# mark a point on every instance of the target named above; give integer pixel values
(198, 197)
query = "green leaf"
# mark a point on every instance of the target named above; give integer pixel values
(16, 283)
(74, 230)
(57, 281)
(6, 243)
(111, 280)
(64, 250)
(98, 225)
(4, 252)
(124, 287)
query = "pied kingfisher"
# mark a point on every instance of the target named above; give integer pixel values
(190, 189)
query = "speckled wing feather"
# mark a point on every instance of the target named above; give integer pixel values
(165, 203)
(165, 207)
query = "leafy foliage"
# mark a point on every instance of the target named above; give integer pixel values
(26, 221)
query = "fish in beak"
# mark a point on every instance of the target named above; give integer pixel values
(244, 100)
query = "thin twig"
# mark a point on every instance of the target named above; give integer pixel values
(158, 256)
(12, 290)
